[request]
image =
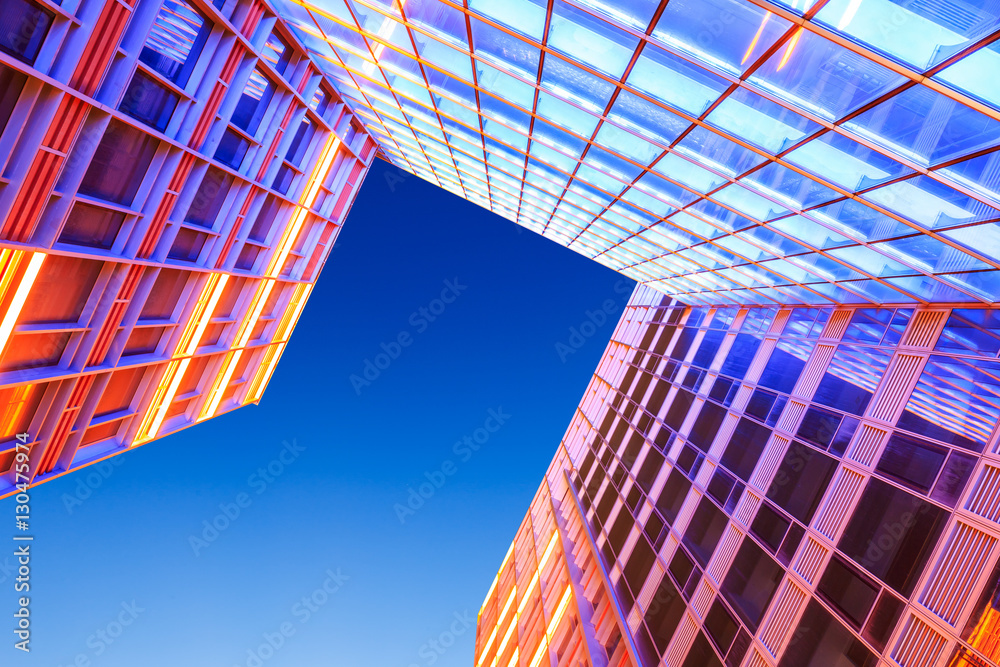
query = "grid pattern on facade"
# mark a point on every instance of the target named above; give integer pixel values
(173, 177)
(728, 151)
(796, 487)
(548, 606)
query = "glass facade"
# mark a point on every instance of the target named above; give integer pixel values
(720, 151)
(169, 197)
(787, 486)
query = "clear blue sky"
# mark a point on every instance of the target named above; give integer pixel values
(398, 584)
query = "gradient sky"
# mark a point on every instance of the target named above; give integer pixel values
(124, 554)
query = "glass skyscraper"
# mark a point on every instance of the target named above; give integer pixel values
(788, 455)
(790, 486)
(173, 176)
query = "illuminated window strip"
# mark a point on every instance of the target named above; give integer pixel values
(14, 409)
(486, 649)
(264, 290)
(292, 312)
(513, 658)
(263, 375)
(540, 653)
(560, 611)
(308, 199)
(188, 345)
(11, 260)
(506, 639)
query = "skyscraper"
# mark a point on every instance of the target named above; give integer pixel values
(788, 453)
(173, 176)
(791, 486)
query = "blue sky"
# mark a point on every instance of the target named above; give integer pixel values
(326, 560)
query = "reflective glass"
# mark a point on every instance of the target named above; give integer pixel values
(723, 34)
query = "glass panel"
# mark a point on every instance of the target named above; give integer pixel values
(751, 582)
(956, 401)
(851, 378)
(175, 41)
(723, 34)
(801, 481)
(91, 226)
(920, 34)
(590, 40)
(821, 641)
(253, 102)
(149, 101)
(119, 164)
(23, 27)
(892, 534)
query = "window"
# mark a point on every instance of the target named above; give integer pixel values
(664, 613)
(751, 582)
(17, 408)
(92, 226)
(672, 496)
(705, 530)
(745, 447)
(801, 481)
(956, 401)
(707, 425)
(651, 466)
(119, 164)
(175, 41)
(892, 534)
(253, 102)
(265, 220)
(770, 526)
(848, 590)
(952, 480)
(851, 378)
(980, 631)
(33, 350)
(785, 365)
(149, 101)
(11, 84)
(913, 463)
(975, 331)
(820, 641)
(119, 391)
(208, 200)
(165, 295)
(701, 654)
(320, 101)
(679, 409)
(187, 245)
(740, 356)
(709, 346)
(23, 27)
(232, 149)
(639, 563)
(721, 626)
(61, 290)
(277, 52)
